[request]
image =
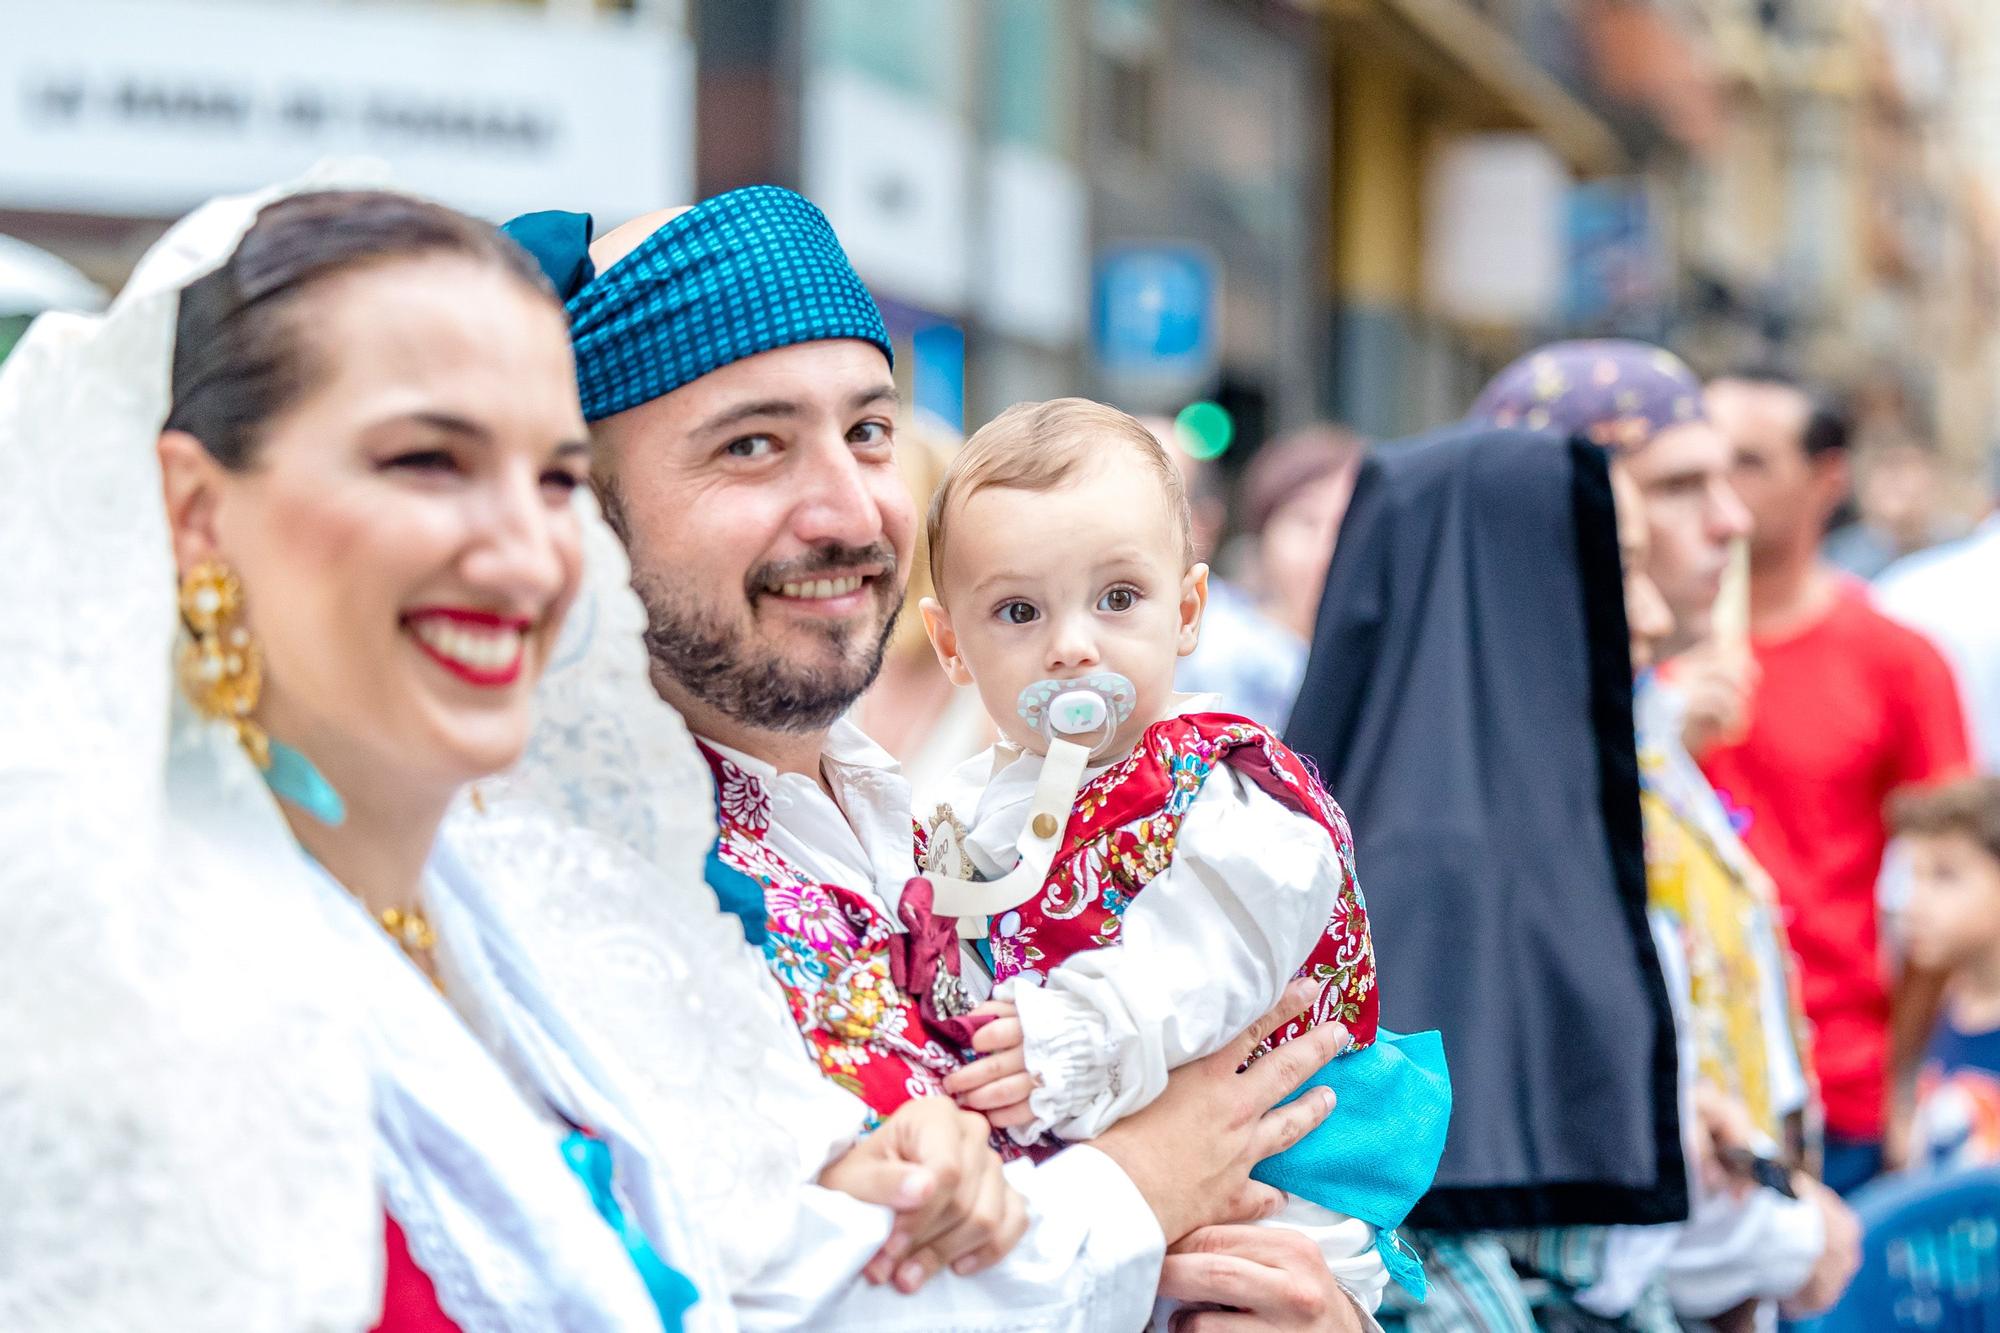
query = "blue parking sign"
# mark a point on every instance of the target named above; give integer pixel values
(1153, 311)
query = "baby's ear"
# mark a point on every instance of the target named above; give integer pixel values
(944, 640)
(1194, 600)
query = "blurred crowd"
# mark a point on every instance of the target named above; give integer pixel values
(1817, 649)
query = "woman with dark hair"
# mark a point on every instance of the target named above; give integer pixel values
(251, 1096)
(1254, 639)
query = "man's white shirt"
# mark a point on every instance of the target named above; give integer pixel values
(1949, 594)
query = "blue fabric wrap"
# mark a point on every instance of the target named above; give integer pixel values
(741, 896)
(1377, 1154)
(745, 272)
(560, 244)
(673, 1294)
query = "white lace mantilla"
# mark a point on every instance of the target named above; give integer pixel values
(184, 1113)
(616, 918)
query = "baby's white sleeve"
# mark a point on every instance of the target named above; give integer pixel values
(1346, 1243)
(1207, 947)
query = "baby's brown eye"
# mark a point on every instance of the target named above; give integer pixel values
(1118, 599)
(1018, 613)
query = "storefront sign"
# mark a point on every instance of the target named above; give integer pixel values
(146, 107)
(1494, 230)
(891, 171)
(1034, 279)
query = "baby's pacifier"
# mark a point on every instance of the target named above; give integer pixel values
(1087, 711)
(1079, 718)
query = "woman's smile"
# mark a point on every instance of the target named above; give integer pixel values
(479, 647)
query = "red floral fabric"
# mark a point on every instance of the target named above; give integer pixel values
(1122, 832)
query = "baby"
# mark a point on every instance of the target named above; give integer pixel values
(1200, 867)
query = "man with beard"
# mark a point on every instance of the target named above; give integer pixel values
(738, 379)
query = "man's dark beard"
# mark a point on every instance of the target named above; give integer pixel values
(718, 666)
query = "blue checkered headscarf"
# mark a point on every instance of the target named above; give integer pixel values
(745, 272)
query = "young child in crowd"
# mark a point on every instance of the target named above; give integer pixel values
(1952, 923)
(1202, 866)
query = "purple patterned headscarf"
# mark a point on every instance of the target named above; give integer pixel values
(1618, 393)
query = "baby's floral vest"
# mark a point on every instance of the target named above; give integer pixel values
(1122, 832)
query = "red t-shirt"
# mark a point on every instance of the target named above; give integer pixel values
(1844, 713)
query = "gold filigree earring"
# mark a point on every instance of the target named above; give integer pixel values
(221, 668)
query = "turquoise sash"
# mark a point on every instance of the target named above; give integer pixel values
(670, 1289)
(1378, 1152)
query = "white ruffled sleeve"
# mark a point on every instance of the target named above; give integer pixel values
(1346, 1243)
(1208, 946)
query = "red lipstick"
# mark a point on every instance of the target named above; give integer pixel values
(481, 648)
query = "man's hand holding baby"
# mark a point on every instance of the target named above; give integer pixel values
(997, 1084)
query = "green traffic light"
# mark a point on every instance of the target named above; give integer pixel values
(1205, 429)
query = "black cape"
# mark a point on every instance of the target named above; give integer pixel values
(1469, 703)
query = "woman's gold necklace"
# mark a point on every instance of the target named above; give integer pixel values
(413, 934)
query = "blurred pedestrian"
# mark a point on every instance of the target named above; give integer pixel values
(1896, 492)
(1847, 706)
(1295, 494)
(1244, 658)
(1469, 701)
(1952, 924)
(1952, 593)
(1741, 1044)
(1206, 486)
(1695, 521)
(912, 710)
(1253, 645)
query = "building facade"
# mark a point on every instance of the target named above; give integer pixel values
(1355, 209)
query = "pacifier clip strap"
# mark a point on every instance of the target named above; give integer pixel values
(973, 901)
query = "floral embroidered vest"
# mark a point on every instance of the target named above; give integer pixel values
(837, 958)
(1122, 832)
